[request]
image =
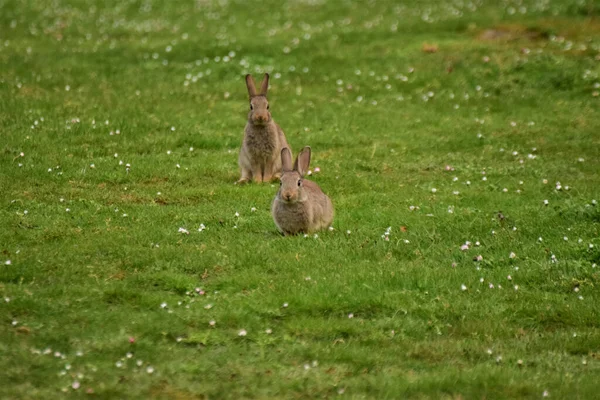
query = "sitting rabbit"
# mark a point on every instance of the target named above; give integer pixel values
(300, 205)
(260, 155)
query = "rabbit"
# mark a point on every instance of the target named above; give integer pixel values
(260, 154)
(300, 205)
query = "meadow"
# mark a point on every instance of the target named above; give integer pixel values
(458, 140)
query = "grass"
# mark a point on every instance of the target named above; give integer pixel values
(403, 137)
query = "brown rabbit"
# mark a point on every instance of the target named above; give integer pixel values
(300, 205)
(260, 155)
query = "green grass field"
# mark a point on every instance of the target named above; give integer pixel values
(459, 142)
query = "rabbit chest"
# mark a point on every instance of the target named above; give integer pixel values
(262, 141)
(293, 218)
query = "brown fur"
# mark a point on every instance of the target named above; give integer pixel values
(260, 154)
(300, 208)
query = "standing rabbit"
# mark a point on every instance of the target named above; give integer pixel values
(260, 155)
(300, 205)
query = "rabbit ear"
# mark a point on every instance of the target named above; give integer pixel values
(264, 86)
(286, 159)
(302, 161)
(250, 85)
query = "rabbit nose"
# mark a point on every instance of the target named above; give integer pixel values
(287, 196)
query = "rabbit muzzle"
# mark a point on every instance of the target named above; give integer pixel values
(288, 196)
(260, 119)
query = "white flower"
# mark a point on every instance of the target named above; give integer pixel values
(242, 333)
(150, 369)
(75, 385)
(212, 322)
(201, 228)
(463, 287)
(512, 255)
(119, 364)
(163, 305)
(7, 262)
(237, 214)
(253, 209)
(351, 315)
(268, 331)
(433, 190)
(348, 232)
(183, 230)
(285, 305)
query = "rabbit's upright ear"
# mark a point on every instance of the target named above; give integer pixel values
(303, 161)
(250, 85)
(264, 86)
(286, 159)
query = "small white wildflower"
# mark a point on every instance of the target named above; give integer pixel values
(268, 331)
(351, 315)
(150, 369)
(253, 209)
(433, 190)
(242, 333)
(463, 287)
